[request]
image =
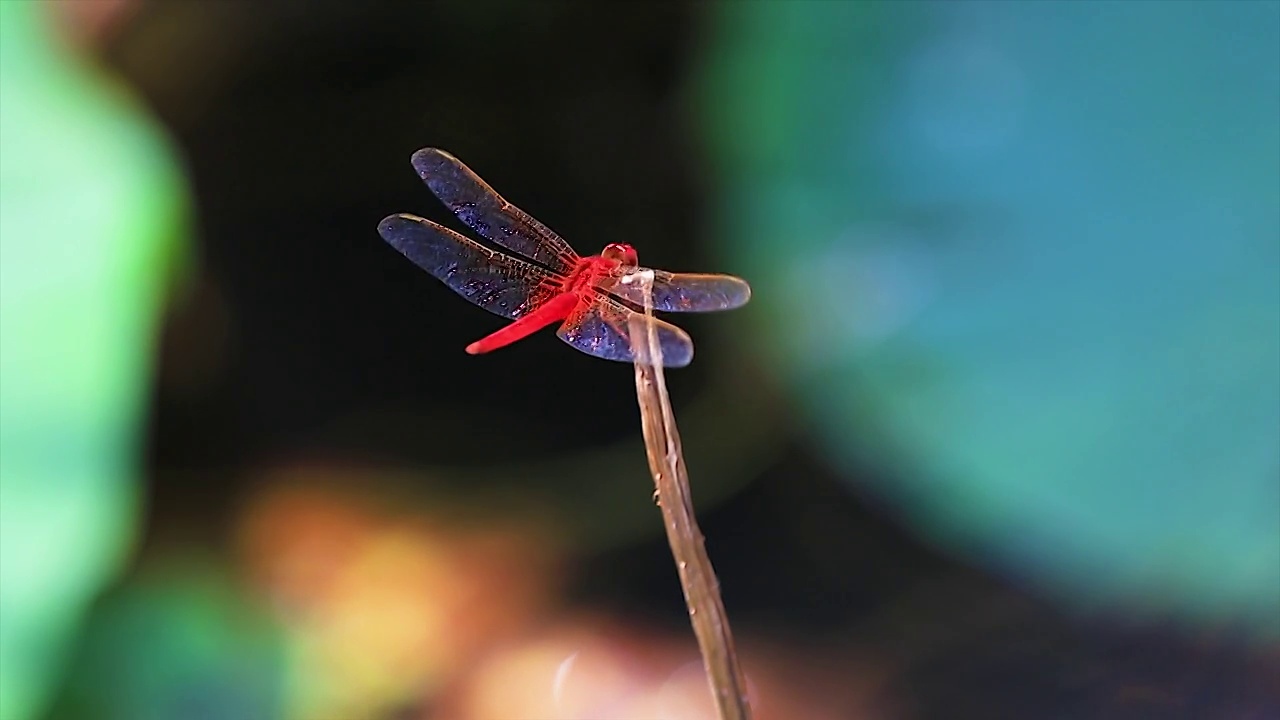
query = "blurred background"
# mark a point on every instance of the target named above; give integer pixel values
(997, 437)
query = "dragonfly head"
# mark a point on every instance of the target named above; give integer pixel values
(622, 253)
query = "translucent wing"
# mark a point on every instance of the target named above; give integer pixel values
(501, 284)
(484, 210)
(601, 329)
(689, 292)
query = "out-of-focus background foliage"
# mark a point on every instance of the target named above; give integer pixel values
(998, 436)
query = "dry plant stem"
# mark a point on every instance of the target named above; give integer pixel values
(697, 578)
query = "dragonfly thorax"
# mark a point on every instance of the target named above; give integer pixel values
(600, 271)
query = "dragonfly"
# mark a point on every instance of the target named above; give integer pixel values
(534, 278)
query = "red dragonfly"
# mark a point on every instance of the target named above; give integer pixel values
(549, 282)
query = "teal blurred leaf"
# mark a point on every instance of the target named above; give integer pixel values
(1025, 259)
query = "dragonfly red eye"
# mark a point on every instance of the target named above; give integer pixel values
(622, 252)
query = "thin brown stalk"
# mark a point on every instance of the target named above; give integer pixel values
(666, 461)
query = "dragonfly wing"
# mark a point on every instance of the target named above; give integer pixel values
(484, 210)
(689, 292)
(501, 284)
(601, 329)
